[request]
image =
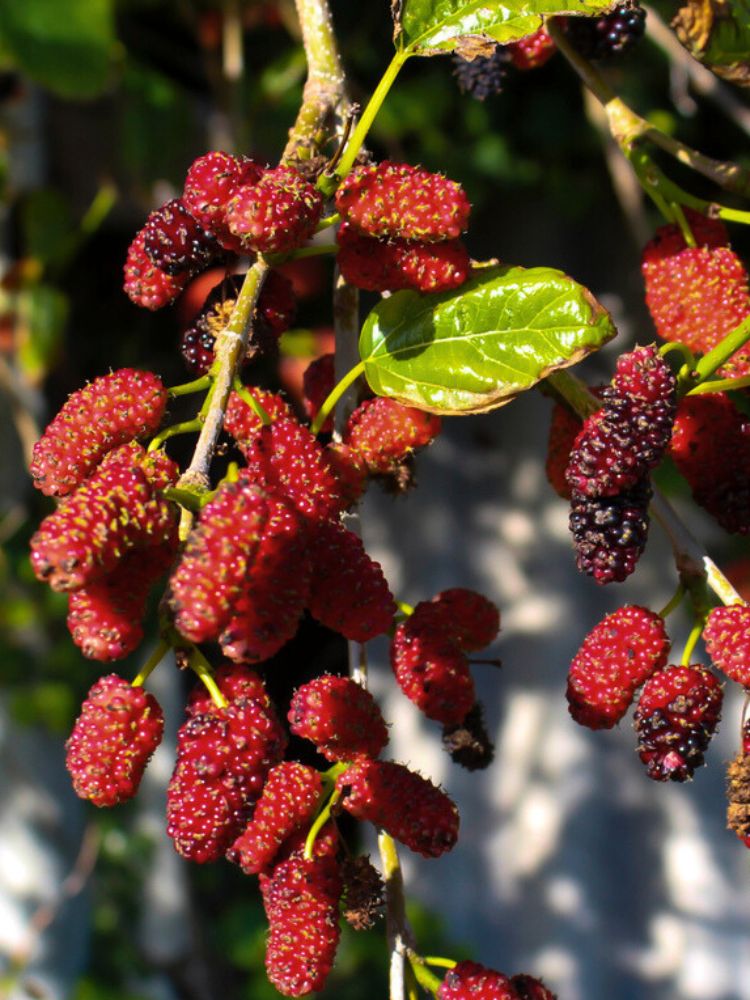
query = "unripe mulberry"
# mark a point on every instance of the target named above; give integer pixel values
(145, 284)
(727, 639)
(114, 511)
(110, 411)
(430, 667)
(392, 265)
(223, 758)
(532, 51)
(285, 458)
(385, 432)
(211, 182)
(406, 805)
(272, 599)
(112, 741)
(301, 900)
(626, 438)
(676, 716)
(472, 981)
(276, 214)
(616, 657)
(214, 566)
(388, 199)
(711, 448)
(610, 533)
(339, 716)
(350, 594)
(175, 242)
(696, 295)
(289, 799)
(105, 618)
(241, 420)
(472, 620)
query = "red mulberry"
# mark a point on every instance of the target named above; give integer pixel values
(339, 716)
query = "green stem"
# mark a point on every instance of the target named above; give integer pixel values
(185, 498)
(329, 220)
(197, 385)
(695, 634)
(721, 385)
(733, 215)
(723, 351)
(682, 222)
(443, 963)
(320, 820)
(426, 979)
(404, 608)
(200, 665)
(334, 396)
(683, 349)
(674, 601)
(574, 392)
(188, 427)
(152, 662)
(364, 124)
(246, 396)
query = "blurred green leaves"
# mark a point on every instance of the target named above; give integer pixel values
(65, 45)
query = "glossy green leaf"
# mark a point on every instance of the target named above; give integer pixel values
(65, 45)
(476, 348)
(426, 27)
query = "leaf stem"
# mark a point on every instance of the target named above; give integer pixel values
(320, 820)
(364, 124)
(152, 662)
(186, 388)
(187, 427)
(695, 634)
(334, 396)
(426, 979)
(723, 351)
(721, 385)
(443, 963)
(674, 602)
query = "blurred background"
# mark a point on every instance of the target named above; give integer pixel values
(571, 864)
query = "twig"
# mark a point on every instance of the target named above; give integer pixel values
(398, 932)
(26, 426)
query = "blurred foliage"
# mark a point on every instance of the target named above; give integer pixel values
(103, 106)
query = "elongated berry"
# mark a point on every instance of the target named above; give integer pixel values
(430, 667)
(616, 657)
(390, 265)
(147, 285)
(711, 448)
(116, 510)
(277, 213)
(110, 411)
(472, 981)
(696, 295)
(301, 900)
(285, 458)
(105, 618)
(289, 799)
(211, 182)
(339, 716)
(676, 716)
(399, 200)
(610, 533)
(385, 432)
(627, 437)
(220, 549)
(112, 741)
(403, 803)
(727, 639)
(272, 599)
(349, 593)
(223, 758)
(472, 620)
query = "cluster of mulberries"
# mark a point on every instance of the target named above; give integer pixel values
(112, 535)
(697, 294)
(609, 36)
(485, 76)
(610, 461)
(229, 206)
(472, 981)
(678, 708)
(401, 228)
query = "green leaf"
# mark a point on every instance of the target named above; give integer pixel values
(47, 226)
(718, 35)
(476, 348)
(65, 45)
(426, 27)
(43, 311)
